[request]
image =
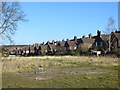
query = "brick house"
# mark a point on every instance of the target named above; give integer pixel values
(25, 51)
(43, 49)
(19, 49)
(51, 49)
(101, 42)
(70, 46)
(37, 50)
(11, 49)
(60, 48)
(85, 44)
(115, 41)
(32, 50)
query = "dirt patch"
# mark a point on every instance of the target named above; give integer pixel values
(42, 74)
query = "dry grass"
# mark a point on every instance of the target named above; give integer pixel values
(14, 64)
(60, 71)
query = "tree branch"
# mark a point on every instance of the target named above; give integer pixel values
(11, 15)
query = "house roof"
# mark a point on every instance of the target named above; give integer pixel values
(43, 47)
(27, 47)
(62, 43)
(117, 35)
(32, 48)
(53, 46)
(15, 47)
(104, 37)
(87, 40)
(71, 43)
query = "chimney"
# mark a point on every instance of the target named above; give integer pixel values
(47, 43)
(63, 40)
(90, 35)
(83, 36)
(75, 38)
(43, 43)
(53, 42)
(98, 33)
(67, 40)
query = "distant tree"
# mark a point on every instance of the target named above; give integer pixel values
(110, 28)
(4, 51)
(11, 14)
(60, 50)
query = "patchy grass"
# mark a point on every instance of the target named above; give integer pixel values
(11, 80)
(60, 72)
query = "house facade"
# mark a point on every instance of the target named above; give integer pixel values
(115, 41)
(51, 48)
(85, 44)
(100, 42)
(43, 49)
(60, 48)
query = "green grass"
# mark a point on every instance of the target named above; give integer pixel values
(16, 72)
(74, 81)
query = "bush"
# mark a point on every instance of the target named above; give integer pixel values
(4, 53)
(84, 48)
(74, 52)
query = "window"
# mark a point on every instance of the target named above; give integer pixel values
(99, 44)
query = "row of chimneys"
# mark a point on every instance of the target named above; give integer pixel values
(90, 36)
(75, 38)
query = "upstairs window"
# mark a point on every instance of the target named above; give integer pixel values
(99, 44)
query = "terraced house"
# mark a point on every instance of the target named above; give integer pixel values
(43, 49)
(100, 42)
(61, 50)
(115, 41)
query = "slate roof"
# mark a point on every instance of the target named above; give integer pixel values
(43, 47)
(117, 35)
(52, 46)
(71, 43)
(87, 40)
(104, 37)
(62, 43)
(31, 48)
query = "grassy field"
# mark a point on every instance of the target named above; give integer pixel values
(60, 72)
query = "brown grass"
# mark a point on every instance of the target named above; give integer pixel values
(60, 71)
(14, 64)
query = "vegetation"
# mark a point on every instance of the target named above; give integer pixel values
(60, 72)
(11, 15)
(4, 52)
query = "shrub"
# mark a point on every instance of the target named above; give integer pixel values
(4, 52)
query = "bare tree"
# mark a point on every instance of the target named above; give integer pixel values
(11, 14)
(110, 28)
